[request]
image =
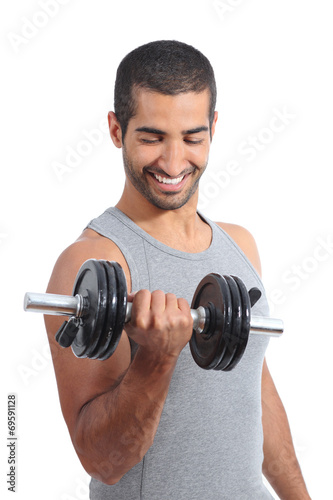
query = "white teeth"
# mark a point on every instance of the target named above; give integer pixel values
(164, 180)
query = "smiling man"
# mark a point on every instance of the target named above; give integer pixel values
(148, 423)
(162, 152)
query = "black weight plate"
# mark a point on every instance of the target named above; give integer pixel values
(236, 319)
(90, 282)
(122, 298)
(112, 338)
(228, 339)
(209, 348)
(110, 316)
(99, 328)
(246, 319)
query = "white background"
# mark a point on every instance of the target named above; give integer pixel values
(58, 72)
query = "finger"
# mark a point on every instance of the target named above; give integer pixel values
(141, 301)
(183, 305)
(158, 302)
(130, 296)
(171, 301)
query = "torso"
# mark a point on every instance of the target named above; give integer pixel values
(102, 246)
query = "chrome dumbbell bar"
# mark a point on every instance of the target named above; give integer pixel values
(98, 310)
(66, 305)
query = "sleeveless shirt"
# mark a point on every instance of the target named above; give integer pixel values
(209, 442)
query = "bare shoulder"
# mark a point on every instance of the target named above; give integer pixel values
(90, 245)
(246, 242)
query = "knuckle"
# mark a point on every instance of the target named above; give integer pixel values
(141, 322)
(173, 322)
(179, 321)
(186, 321)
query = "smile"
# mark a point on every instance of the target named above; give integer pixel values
(166, 180)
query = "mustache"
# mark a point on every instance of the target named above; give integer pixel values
(159, 171)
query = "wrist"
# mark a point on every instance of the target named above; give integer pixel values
(155, 361)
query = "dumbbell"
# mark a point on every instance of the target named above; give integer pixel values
(98, 311)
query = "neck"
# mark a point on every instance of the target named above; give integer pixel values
(178, 228)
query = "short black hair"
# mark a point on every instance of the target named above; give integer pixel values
(166, 66)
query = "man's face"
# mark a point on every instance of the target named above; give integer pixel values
(166, 146)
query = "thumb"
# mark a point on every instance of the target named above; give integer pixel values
(130, 296)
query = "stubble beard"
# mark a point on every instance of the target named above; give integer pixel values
(164, 201)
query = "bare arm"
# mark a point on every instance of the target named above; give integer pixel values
(280, 466)
(115, 429)
(112, 408)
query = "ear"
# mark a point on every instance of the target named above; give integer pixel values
(115, 130)
(214, 124)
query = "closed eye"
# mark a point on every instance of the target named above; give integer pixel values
(200, 141)
(150, 141)
(156, 141)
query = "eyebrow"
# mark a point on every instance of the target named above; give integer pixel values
(156, 131)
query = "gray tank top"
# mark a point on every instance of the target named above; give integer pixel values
(209, 441)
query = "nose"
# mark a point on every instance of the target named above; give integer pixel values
(172, 160)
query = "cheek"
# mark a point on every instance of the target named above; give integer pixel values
(144, 156)
(199, 155)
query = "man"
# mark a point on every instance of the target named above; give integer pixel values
(148, 423)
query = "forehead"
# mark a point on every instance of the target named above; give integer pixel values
(182, 111)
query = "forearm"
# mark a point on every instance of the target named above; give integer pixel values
(280, 466)
(117, 428)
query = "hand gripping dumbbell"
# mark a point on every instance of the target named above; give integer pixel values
(98, 311)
